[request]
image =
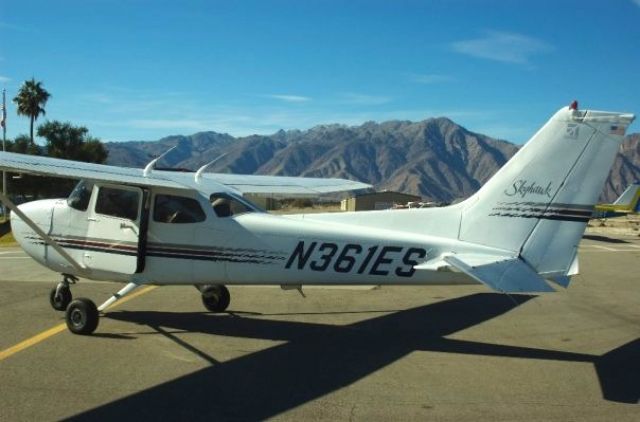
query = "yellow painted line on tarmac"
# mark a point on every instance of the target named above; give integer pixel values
(38, 338)
(32, 341)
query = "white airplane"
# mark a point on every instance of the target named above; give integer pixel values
(138, 227)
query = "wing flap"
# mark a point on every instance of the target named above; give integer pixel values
(284, 185)
(503, 274)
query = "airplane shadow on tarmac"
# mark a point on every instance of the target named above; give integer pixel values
(600, 238)
(318, 359)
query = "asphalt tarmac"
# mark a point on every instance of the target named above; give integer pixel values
(395, 353)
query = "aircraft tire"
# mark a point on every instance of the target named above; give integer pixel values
(82, 316)
(216, 298)
(61, 301)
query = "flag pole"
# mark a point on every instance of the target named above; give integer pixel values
(4, 139)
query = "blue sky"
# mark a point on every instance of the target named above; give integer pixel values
(141, 70)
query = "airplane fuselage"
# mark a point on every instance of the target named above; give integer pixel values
(252, 247)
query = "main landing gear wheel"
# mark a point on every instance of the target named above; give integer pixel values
(82, 316)
(60, 298)
(216, 298)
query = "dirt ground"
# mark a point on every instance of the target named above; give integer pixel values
(628, 225)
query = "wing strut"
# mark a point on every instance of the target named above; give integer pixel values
(47, 239)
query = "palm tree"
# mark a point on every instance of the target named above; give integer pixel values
(31, 100)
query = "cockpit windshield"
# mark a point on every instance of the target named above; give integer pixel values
(80, 196)
(226, 205)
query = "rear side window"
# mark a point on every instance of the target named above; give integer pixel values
(177, 210)
(118, 203)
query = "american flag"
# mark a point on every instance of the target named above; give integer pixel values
(617, 130)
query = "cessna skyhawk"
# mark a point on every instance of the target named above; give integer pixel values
(518, 233)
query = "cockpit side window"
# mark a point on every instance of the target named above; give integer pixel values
(225, 205)
(177, 210)
(119, 203)
(80, 196)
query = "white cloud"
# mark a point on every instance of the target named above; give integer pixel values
(363, 99)
(4, 79)
(505, 47)
(429, 78)
(121, 115)
(248, 119)
(290, 98)
(97, 97)
(637, 2)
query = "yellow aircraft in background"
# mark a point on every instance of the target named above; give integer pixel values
(627, 203)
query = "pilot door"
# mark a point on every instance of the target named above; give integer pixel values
(113, 232)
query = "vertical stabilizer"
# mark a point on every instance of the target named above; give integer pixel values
(538, 204)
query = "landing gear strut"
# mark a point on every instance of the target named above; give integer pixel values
(60, 296)
(215, 298)
(82, 315)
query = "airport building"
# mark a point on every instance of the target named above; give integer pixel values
(377, 201)
(267, 203)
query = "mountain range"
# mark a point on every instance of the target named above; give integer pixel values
(434, 158)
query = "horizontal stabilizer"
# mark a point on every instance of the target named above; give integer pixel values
(502, 274)
(562, 280)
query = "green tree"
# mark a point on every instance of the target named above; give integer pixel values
(23, 145)
(31, 100)
(71, 142)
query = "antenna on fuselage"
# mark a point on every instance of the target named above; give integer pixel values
(201, 170)
(147, 170)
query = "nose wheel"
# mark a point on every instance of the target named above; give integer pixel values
(61, 296)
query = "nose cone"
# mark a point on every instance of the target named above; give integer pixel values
(38, 212)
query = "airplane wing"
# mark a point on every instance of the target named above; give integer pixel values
(208, 183)
(284, 185)
(56, 167)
